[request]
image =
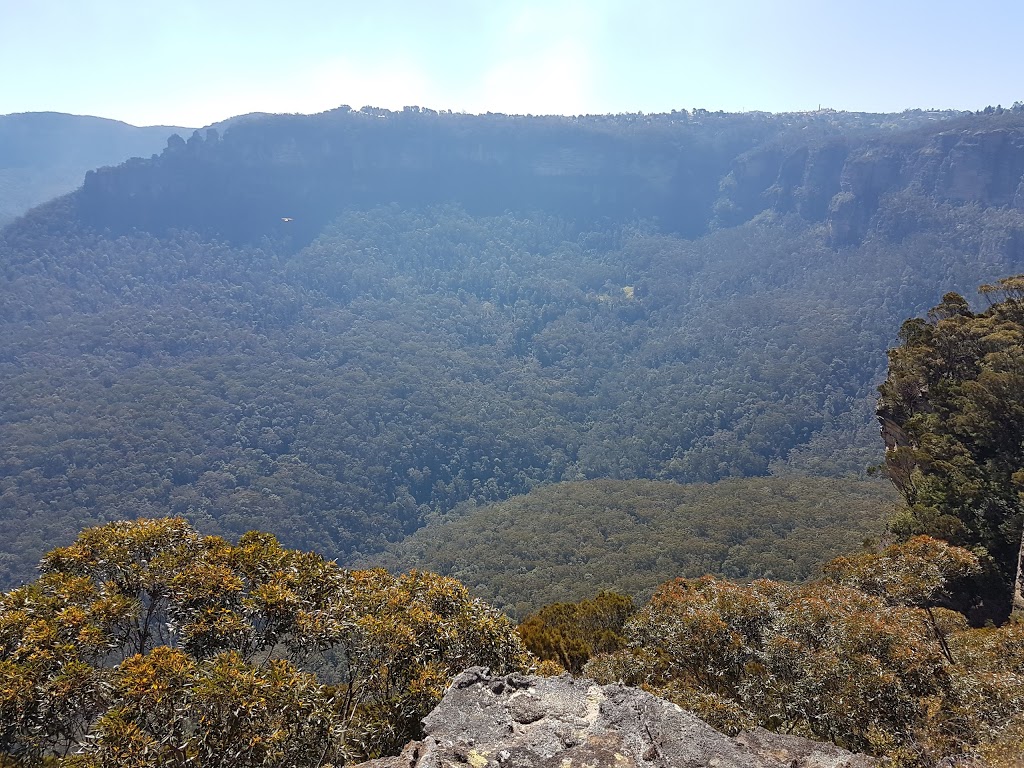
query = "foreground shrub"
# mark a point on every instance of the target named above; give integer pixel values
(861, 657)
(145, 643)
(571, 633)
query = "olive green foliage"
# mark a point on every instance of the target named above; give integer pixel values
(922, 572)
(410, 635)
(560, 543)
(850, 658)
(571, 633)
(165, 708)
(953, 412)
(146, 643)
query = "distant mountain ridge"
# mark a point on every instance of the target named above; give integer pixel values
(46, 154)
(311, 167)
(689, 172)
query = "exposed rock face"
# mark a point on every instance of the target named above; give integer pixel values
(843, 182)
(518, 721)
(687, 172)
(803, 180)
(310, 168)
(865, 178)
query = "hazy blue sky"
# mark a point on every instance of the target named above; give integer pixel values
(193, 62)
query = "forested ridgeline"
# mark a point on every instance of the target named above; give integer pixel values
(686, 170)
(562, 543)
(46, 154)
(308, 168)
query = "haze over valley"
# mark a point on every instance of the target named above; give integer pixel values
(332, 327)
(664, 347)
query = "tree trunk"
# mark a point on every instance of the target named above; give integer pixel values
(1017, 612)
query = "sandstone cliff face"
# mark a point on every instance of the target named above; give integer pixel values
(981, 167)
(866, 176)
(687, 173)
(309, 168)
(842, 184)
(519, 721)
(802, 180)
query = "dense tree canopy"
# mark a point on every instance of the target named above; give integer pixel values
(569, 634)
(559, 543)
(952, 411)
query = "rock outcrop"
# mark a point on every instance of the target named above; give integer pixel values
(517, 721)
(842, 182)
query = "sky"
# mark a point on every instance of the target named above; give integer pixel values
(194, 62)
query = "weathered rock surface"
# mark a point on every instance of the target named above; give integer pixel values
(518, 721)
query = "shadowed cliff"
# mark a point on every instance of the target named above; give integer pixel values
(285, 176)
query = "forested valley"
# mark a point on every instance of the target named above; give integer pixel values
(543, 356)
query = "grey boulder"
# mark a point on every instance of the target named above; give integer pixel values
(520, 721)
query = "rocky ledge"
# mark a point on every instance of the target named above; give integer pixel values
(519, 721)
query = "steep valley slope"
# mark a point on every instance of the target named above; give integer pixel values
(334, 327)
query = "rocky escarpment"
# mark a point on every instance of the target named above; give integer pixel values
(518, 721)
(45, 154)
(842, 183)
(284, 177)
(306, 169)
